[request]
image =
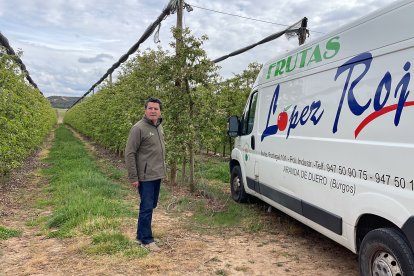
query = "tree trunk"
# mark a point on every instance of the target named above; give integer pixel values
(183, 169)
(192, 182)
(173, 173)
(192, 136)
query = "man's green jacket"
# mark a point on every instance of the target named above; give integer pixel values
(145, 151)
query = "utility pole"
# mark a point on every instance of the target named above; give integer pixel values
(179, 25)
(178, 81)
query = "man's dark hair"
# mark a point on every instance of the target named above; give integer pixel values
(153, 100)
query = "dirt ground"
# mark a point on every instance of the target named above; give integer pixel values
(292, 249)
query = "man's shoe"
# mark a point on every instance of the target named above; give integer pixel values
(153, 247)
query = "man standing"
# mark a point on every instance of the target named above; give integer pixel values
(145, 161)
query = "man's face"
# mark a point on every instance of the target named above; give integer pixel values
(153, 112)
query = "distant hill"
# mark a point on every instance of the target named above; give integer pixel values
(62, 101)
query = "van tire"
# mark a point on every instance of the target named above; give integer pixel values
(385, 250)
(237, 186)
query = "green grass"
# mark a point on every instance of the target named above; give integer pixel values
(111, 243)
(212, 207)
(36, 221)
(115, 173)
(229, 216)
(84, 200)
(213, 169)
(6, 233)
(110, 170)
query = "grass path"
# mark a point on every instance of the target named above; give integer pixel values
(54, 240)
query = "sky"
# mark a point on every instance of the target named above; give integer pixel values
(68, 45)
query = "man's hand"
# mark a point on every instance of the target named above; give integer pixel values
(135, 184)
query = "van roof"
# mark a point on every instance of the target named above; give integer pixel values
(372, 15)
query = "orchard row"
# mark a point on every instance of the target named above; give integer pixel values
(196, 101)
(25, 115)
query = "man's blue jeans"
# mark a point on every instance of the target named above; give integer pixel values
(148, 192)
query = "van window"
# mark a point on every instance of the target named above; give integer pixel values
(248, 115)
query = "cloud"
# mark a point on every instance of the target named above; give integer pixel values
(69, 45)
(98, 58)
(52, 46)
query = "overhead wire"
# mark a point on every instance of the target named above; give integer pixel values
(298, 29)
(236, 15)
(170, 9)
(150, 29)
(5, 43)
(248, 18)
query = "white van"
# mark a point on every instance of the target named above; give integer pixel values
(327, 136)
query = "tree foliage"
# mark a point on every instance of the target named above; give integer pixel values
(197, 102)
(107, 116)
(25, 115)
(231, 100)
(191, 98)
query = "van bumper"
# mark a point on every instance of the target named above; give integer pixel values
(408, 229)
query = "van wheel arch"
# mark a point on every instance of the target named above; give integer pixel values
(385, 251)
(233, 163)
(238, 192)
(367, 223)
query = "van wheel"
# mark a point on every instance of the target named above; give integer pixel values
(385, 251)
(236, 185)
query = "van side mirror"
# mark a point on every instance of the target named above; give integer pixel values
(233, 126)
